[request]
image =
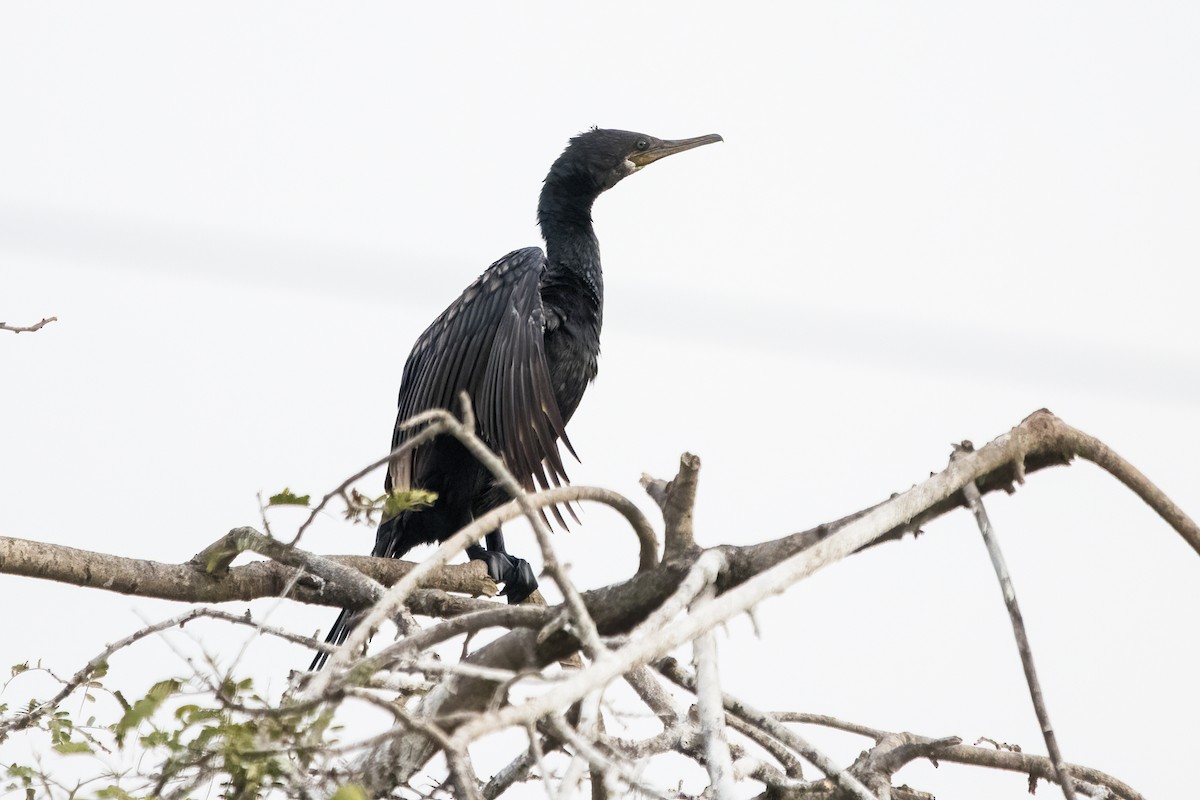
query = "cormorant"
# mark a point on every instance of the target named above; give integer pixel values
(522, 341)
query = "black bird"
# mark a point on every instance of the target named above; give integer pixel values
(522, 341)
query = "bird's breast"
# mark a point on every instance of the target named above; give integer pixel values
(572, 355)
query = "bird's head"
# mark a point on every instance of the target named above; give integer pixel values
(599, 158)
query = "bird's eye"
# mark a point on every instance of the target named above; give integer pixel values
(642, 144)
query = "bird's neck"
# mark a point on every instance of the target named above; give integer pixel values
(573, 281)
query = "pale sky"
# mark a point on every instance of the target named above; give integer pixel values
(924, 223)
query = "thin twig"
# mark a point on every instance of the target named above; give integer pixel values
(37, 326)
(538, 754)
(674, 672)
(522, 616)
(791, 764)
(600, 759)
(971, 493)
(26, 718)
(830, 722)
(587, 727)
(436, 428)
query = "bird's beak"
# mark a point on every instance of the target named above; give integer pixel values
(662, 149)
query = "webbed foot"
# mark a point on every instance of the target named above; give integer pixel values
(515, 573)
(520, 582)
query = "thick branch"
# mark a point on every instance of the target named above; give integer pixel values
(748, 575)
(202, 579)
(1041, 440)
(189, 582)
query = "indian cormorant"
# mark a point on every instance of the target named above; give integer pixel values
(522, 341)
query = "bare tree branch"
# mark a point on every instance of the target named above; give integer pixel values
(711, 710)
(37, 326)
(601, 760)
(677, 499)
(763, 721)
(754, 572)
(515, 771)
(1005, 758)
(1018, 624)
(190, 582)
(876, 766)
(622, 628)
(218, 556)
(1034, 766)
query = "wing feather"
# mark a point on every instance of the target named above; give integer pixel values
(490, 344)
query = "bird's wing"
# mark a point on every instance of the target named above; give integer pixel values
(489, 343)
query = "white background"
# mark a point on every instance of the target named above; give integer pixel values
(924, 223)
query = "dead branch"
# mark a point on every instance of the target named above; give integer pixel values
(622, 627)
(677, 499)
(217, 557)
(776, 730)
(876, 766)
(194, 582)
(190, 582)
(37, 326)
(599, 759)
(711, 710)
(1035, 767)
(753, 573)
(1005, 757)
(1018, 624)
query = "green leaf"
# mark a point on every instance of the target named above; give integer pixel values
(411, 500)
(114, 793)
(351, 791)
(287, 498)
(145, 707)
(67, 748)
(17, 669)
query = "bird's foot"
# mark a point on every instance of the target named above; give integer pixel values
(520, 582)
(515, 573)
(497, 563)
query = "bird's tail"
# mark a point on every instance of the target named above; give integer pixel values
(337, 635)
(385, 546)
